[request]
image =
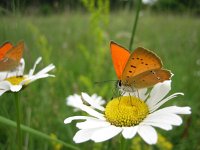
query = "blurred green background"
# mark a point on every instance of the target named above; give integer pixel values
(75, 36)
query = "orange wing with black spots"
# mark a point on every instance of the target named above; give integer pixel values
(10, 56)
(4, 49)
(140, 69)
(140, 61)
(149, 78)
(120, 57)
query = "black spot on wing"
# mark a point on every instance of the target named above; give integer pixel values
(133, 66)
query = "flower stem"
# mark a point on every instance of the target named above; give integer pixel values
(122, 143)
(36, 133)
(17, 103)
(135, 23)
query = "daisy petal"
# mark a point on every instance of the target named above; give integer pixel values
(98, 99)
(83, 135)
(171, 119)
(74, 100)
(103, 134)
(142, 93)
(129, 132)
(163, 126)
(91, 101)
(158, 92)
(15, 88)
(92, 123)
(70, 119)
(4, 86)
(36, 63)
(148, 134)
(36, 77)
(45, 70)
(91, 111)
(175, 110)
(156, 106)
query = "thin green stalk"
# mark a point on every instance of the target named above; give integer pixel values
(122, 143)
(135, 24)
(17, 104)
(35, 132)
(108, 145)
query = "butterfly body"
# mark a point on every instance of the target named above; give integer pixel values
(10, 55)
(140, 69)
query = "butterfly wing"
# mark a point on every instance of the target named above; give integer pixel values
(140, 61)
(12, 57)
(150, 78)
(120, 57)
(4, 49)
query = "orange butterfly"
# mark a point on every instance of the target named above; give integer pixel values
(139, 69)
(10, 55)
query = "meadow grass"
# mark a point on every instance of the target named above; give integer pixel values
(67, 40)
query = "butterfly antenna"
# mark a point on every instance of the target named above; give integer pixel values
(106, 81)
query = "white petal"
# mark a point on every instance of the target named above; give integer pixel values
(20, 69)
(161, 125)
(169, 118)
(46, 69)
(91, 112)
(4, 86)
(15, 88)
(103, 134)
(35, 77)
(92, 123)
(92, 102)
(36, 63)
(158, 92)
(70, 119)
(98, 99)
(74, 100)
(148, 134)
(142, 93)
(2, 91)
(83, 135)
(175, 110)
(129, 132)
(156, 106)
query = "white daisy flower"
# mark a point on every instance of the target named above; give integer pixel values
(15, 80)
(129, 115)
(76, 100)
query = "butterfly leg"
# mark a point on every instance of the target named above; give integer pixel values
(138, 94)
(6, 75)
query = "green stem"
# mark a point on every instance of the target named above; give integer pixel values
(108, 145)
(35, 132)
(122, 143)
(135, 24)
(17, 104)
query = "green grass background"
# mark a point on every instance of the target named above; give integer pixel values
(79, 48)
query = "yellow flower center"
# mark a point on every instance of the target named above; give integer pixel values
(126, 111)
(15, 80)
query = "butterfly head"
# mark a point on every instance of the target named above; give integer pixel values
(124, 88)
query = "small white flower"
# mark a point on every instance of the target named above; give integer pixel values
(149, 2)
(76, 100)
(129, 115)
(14, 80)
